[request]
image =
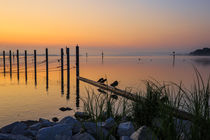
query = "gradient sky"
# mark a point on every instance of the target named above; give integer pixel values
(147, 25)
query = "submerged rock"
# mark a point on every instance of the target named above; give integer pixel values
(55, 119)
(56, 132)
(65, 109)
(143, 133)
(125, 129)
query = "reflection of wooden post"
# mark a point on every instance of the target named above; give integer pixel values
(10, 63)
(35, 68)
(4, 62)
(18, 64)
(26, 66)
(62, 87)
(68, 73)
(77, 76)
(46, 68)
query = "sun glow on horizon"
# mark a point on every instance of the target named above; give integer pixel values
(105, 23)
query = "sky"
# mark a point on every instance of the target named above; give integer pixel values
(122, 26)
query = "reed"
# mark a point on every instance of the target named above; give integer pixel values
(155, 111)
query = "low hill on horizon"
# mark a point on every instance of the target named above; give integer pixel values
(201, 52)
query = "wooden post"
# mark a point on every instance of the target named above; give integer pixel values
(102, 55)
(4, 63)
(68, 73)
(77, 61)
(26, 77)
(46, 68)
(10, 63)
(77, 75)
(62, 85)
(35, 78)
(18, 64)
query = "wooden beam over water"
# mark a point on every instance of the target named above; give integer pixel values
(177, 113)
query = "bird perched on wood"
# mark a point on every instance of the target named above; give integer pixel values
(114, 84)
(102, 80)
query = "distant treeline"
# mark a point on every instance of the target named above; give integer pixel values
(201, 52)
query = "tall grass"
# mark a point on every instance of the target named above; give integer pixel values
(100, 107)
(155, 110)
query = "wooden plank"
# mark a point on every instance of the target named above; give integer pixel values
(177, 113)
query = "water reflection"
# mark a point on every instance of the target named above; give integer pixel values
(202, 61)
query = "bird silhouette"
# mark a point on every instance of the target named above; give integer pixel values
(114, 84)
(101, 79)
(104, 80)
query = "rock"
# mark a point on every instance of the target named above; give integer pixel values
(100, 124)
(42, 123)
(65, 109)
(20, 128)
(68, 120)
(82, 115)
(183, 126)
(56, 132)
(125, 129)
(109, 123)
(98, 132)
(143, 133)
(76, 125)
(62, 109)
(83, 136)
(55, 119)
(125, 138)
(12, 137)
(30, 133)
(29, 122)
(8, 128)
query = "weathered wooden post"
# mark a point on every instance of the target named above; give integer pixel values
(77, 76)
(46, 68)
(62, 85)
(102, 55)
(4, 63)
(174, 59)
(35, 78)
(18, 64)
(68, 73)
(10, 63)
(26, 76)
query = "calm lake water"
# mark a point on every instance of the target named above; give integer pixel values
(21, 100)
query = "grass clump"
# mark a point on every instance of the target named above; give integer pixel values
(156, 109)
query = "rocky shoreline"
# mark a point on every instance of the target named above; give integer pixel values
(74, 128)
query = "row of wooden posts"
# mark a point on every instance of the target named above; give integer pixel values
(47, 65)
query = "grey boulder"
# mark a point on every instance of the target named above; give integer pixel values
(143, 133)
(56, 132)
(125, 129)
(83, 136)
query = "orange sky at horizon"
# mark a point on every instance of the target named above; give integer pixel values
(104, 23)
